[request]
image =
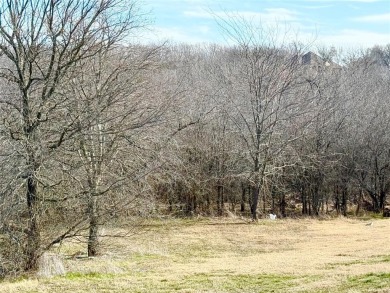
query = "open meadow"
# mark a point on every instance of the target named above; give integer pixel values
(229, 255)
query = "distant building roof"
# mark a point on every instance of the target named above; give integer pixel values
(311, 58)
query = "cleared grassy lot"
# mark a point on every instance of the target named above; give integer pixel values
(230, 255)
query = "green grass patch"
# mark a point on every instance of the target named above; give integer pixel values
(219, 282)
(369, 281)
(370, 216)
(373, 260)
(332, 266)
(385, 258)
(139, 257)
(258, 283)
(88, 276)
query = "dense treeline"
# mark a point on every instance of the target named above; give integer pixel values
(296, 137)
(93, 130)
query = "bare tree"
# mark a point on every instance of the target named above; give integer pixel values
(41, 42)
(262, 79)
(369, 123)
(114, 106)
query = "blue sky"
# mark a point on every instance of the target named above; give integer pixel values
(343, 23)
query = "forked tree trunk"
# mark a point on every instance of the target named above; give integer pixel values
(282, 205)
(375, 202)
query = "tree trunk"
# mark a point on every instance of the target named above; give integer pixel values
(255, 200)
(344, 195)
(243, 193)
(208, 204)
(220, 200)
(359, 203)
(304, 200)
(282, 205)
(32, 251)
(315, 200)
(382, 200)
(375, 203)
(93, 226)
(194, 204)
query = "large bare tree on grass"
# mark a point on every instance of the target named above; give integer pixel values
(114, 106)
(41, 42)
(261, 82)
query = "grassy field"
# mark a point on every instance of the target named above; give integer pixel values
(229, 255)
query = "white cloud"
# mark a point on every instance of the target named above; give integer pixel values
(350, 38)
(204, 29)
(374, 18)
(347, 38)
(198, 12)
(280, 14)
(360, 1)
(314, 6)
(269, 14)
(177, 34)
(290, 24)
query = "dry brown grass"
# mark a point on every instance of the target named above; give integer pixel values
(222, 255)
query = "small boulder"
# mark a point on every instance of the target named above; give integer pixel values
(50, 265)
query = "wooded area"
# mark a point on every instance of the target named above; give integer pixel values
(94, 128)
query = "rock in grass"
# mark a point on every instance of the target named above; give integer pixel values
(50, 265)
